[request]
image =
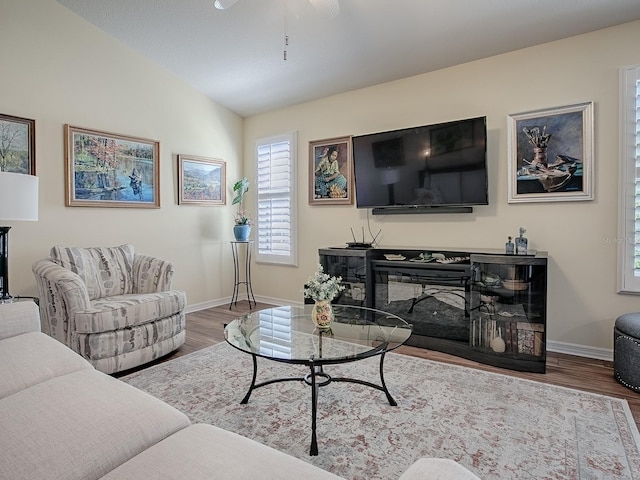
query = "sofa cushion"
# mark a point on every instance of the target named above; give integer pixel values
(122, 311)
(104, 270)
(32, 358)
(437, 469)
(79, 426)
(17, 318)
(205, 452)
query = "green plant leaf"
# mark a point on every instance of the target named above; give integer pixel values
(240, 188)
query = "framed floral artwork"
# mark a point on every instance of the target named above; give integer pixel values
(550, 154)
(110, 170)
(201, 181)
(331, 172)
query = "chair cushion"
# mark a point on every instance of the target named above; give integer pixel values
(122, 311)
(106, 271)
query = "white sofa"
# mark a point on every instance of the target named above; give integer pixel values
(61, 418)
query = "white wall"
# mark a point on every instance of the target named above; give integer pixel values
(57, 69)
(579, 236)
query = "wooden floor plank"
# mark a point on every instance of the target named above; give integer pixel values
(205, 328)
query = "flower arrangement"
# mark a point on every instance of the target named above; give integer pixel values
(322, 286)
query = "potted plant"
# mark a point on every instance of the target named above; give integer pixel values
(242, 227)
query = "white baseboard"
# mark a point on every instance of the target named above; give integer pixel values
(279, 301)
(557, 347)
(580, 350)
(196, 307)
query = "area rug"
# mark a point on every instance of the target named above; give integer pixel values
(499, 427)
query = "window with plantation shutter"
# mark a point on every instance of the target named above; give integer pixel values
(276, 238)
(629, 206)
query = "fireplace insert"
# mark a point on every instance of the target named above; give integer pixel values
(434, 298)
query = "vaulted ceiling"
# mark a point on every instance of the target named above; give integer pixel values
(236, 56)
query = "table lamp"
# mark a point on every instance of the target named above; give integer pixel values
(18, 202)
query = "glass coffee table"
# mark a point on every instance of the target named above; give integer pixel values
(287, 334)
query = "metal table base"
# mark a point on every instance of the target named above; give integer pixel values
(247, 272)
(317, 378)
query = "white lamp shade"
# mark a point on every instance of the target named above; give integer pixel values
(18, 197)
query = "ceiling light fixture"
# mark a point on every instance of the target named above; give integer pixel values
(330, 7)
(286, 45)
(222, 4)
(286, 35)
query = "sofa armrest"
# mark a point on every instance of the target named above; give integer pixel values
(18, 318)
(151, 274)
(62, 292)
(437, 469)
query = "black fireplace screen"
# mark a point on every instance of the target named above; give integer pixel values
(436, 303)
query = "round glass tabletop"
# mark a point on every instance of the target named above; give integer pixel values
(288, 334)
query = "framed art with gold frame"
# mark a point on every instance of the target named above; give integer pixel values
(331, 171)
(110, 170)
(201, 181)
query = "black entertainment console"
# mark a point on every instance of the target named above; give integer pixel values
(481, 305)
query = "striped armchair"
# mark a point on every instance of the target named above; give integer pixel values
(112, 306)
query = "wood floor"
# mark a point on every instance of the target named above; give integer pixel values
(205, 328)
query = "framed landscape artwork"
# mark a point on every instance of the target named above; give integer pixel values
(331, 172)
(17, 145)
(201, 181)
(110, 170)
(550, 154)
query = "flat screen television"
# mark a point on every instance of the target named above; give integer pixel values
(422, 169)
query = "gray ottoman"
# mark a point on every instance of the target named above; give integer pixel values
(626, 350)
